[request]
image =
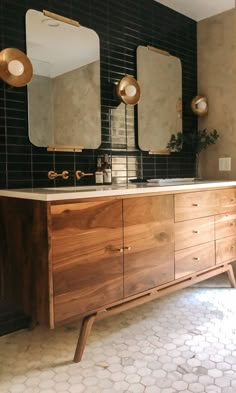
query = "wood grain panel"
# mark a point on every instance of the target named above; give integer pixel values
(149, 232)
(225, 249)
(194, 259)
(226, 200)
(195, 205)
(24, 257)
(225, 225)
(193, 232)
(87, 263)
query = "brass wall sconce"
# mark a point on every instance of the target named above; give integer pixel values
(199, 105)
(15, 67)
(128, 90)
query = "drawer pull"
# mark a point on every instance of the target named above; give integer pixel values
(197, 232)
(233, 223)
(119, 249)
(196, 259)
(127, 248)
(196, 204)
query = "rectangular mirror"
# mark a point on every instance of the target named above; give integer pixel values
(64, 94)
(160, 107)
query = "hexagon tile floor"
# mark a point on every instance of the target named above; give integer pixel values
(184, 343)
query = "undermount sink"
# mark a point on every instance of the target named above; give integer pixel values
(172, 181)
(75, 188)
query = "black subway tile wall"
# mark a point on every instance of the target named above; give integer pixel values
(122, 25)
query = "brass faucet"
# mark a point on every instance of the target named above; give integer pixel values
(79, 174)
(53, 175)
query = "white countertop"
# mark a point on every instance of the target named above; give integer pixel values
(66, 193)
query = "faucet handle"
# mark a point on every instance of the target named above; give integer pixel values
(53, 175)
(79, 174)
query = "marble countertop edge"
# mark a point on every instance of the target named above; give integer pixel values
(79, 192)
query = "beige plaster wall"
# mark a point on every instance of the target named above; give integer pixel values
(217, 80)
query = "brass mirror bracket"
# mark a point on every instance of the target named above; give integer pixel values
(61, 18)
(53, 175)
(165, 152)
(77, 149)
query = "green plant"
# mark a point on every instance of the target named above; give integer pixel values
(176, 142)
(196, 142)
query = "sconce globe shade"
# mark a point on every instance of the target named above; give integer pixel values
(199, 105)
(128, 90)
(15, 67)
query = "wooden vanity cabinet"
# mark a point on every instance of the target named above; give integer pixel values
(92, 258)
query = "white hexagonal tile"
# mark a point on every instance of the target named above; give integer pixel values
(77, 388)
(196, 387)
(121, 386)
(222, 382)
(215, 373)
(190, 378)
(152, 389)
(230, 359)
(136, 388)
(180, 385)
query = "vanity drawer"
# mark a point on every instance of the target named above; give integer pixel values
(226, 249)
(194, 259)
(225, 225)
(193, 232)
(195, 205)
(226, 200)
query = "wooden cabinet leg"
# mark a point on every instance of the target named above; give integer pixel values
(231, 277)
(83, 336)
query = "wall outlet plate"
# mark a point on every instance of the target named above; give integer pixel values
(225, 164)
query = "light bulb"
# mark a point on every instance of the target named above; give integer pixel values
(16, 68)
(202, 105)
(130, 90)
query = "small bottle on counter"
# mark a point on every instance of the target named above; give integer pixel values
(99, 172)
(107, 173)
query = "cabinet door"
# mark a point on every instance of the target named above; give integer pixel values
(86, 240)
(225, 225)
(226, 249)
(148, 243)
(226, 200)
